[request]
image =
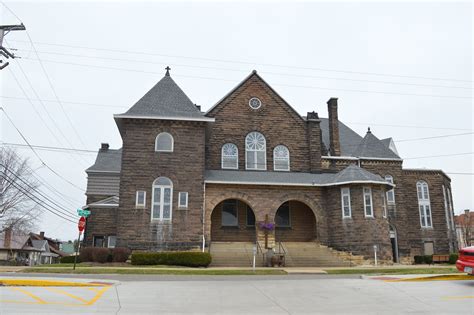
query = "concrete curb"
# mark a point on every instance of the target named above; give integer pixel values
(51, 283)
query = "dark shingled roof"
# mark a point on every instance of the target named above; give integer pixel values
(107, 161)
(371, 146)
(165, 99)
(348, 138)
(351, 174)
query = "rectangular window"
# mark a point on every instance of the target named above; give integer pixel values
(369, 211)
(140, 199)
(346, 202)
(384, 206)
(229, 213)
(282, 217)
(156, 203)
(425, 216)
(183, 200)
(446, 210)
(111, 241)
(166, 203)
(391, 192)
(98, 241)
(250, 217)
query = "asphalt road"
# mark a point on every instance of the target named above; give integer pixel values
(300, 294)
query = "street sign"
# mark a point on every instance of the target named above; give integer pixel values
(83, 212)
(82, 224)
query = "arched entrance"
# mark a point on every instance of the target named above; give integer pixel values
(295, 222)
(233, 220)
(394, 241)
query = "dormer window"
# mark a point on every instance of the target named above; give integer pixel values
(230, 156)
(164, 142)
(255, 151)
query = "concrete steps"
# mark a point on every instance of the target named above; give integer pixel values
(233, 254)
(312, 254)
(298, 254)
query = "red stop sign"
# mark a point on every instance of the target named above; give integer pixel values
(82, 224)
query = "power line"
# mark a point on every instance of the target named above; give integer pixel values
(406, 126)
(44, 108)
(37, 200)
(441, 155)
(37, 155)
(31, 188)
(265, 72)
(49, 148)
(436, 137)
(54, 90)
(252, 63)
(67, 102)
(276, 84)
(459, 173)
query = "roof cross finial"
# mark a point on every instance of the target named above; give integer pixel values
(167, 71)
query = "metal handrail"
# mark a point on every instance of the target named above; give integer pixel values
(259, 248)
(280, 248)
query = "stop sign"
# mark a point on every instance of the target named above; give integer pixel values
(82, 224)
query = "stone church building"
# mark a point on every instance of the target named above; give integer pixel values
(251, 171)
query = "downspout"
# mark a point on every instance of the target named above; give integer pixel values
(203, 217)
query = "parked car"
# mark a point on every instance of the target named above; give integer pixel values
(465, 262)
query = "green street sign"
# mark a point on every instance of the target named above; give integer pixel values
(83, 212)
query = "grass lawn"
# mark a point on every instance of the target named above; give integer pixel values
(156, 271)
(392, 271)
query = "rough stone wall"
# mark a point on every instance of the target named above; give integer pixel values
(102, 221)
(265, 201)
(240, 233)
(141, 165)
(274, 119)
(358, 234)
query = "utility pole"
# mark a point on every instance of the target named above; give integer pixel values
(4, 30)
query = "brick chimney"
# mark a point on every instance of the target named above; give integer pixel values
(335, 146)
(42, 235)
(314, 141)
(104, 146)
(8, 237)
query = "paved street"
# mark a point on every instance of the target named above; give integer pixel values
(302, 294)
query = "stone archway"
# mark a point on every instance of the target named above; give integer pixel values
(232, 220)
(295, 221)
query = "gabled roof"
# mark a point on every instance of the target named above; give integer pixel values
(371, 146)
(388, 142)
(107, 161)
(350, 175)
(348, 138)
(167, 101)
(18, 240)
(110, 202)
(254, 73)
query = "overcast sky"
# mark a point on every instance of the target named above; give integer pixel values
(415, 61)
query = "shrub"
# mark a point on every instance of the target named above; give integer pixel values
(69, 260)
(86, 254)
(100, 254)
(189, 259)
(120, 254)
(419, 260)
(453, 258)
(428, 259)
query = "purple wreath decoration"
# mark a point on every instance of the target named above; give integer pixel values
(266, 226)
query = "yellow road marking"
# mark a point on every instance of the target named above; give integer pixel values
(31, 295)
(67, 294)
(46, 283)
(98, 296)
(458, 297)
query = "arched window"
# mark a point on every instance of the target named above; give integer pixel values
(162, 199)
(391, 192)
(255, 151)
(424, 204)
(164, 142)
(281, 158)
(230, 156)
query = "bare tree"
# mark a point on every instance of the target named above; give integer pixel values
(465, 224)
(18, 209)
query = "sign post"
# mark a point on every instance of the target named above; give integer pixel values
(81, 225)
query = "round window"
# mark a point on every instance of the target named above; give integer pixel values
(255, 103)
